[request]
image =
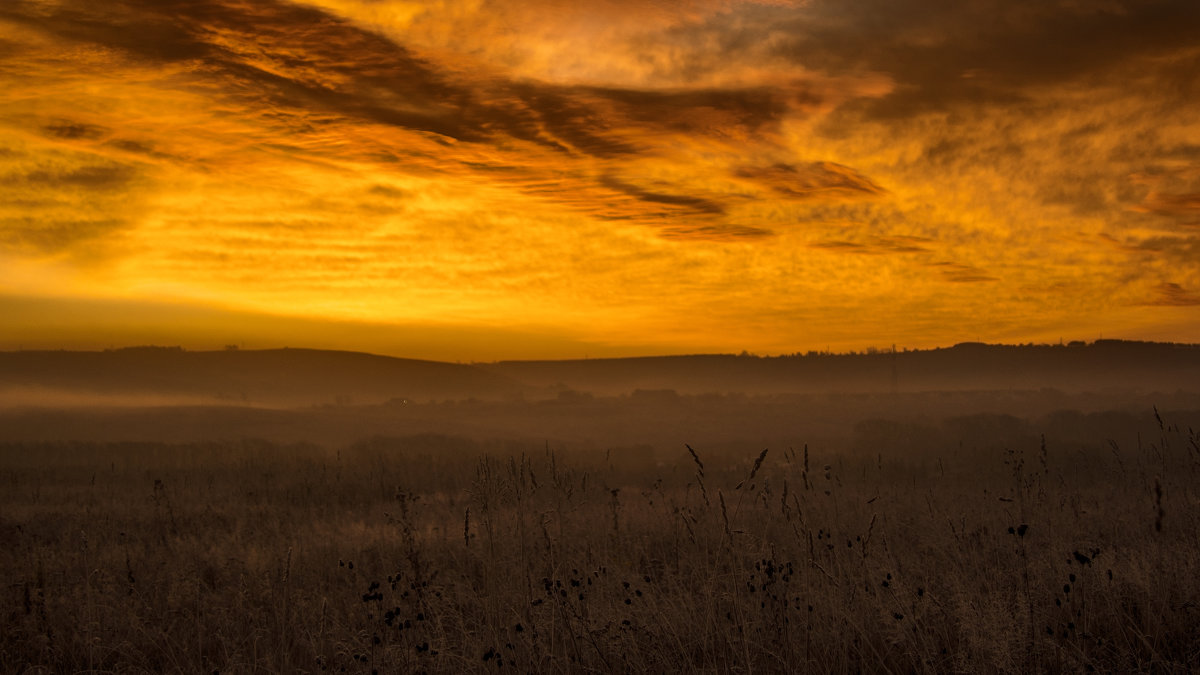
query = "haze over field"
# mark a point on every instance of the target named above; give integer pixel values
(181, 512)
(904, 403)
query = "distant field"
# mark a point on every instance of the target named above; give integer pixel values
(433, 554)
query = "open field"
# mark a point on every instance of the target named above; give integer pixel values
(438, 554)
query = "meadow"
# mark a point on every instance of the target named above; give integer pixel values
(437, 554)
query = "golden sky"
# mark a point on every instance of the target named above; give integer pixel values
(464, 179)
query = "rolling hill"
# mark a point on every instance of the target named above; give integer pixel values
(275, 377)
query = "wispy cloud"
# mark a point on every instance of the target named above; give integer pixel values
(615, 162)
(816, 180)
(961, 273)
(878, 245)
(1171, 294)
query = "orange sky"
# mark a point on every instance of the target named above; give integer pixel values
(461, 179)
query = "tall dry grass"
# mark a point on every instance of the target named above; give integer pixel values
(439, 555)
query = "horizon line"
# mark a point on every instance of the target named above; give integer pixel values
(869, 351)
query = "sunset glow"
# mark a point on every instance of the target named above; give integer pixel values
(460, 179)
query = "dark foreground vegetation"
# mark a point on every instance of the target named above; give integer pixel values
(432, 554)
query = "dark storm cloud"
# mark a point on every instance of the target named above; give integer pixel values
(570, 123)
(698, 111)
(301, 71)
(944, 52)
(277, 54)
(291, 56)
(149, 30)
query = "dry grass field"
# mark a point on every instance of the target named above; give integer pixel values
(439, 555)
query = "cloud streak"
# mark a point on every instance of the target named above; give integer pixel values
(613, 163)
(1173, 295)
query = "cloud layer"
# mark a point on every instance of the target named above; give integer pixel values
(712, 174)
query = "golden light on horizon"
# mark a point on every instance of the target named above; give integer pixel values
(460, 179)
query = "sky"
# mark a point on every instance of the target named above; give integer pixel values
(480, 180)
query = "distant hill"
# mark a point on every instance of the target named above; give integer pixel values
(980, 394)
(305, 377)
(275, 377)
(1105, 365)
